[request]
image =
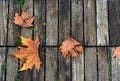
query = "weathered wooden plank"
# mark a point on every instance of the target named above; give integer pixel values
(115, 67)
(90, 64)
(12, 66)
(89, 22)
(103, 64)
(3, 21)
(27, 32)
(13, 30)
(39, 12)
(64, 33)
(77, 33)
(102, 22)
(114, 22)
(51, 29)
(2, 63)
(51, 64)
(51, 33)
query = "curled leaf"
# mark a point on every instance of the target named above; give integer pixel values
(71, 46)
(24, 20)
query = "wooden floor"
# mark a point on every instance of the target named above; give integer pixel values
(94, 23)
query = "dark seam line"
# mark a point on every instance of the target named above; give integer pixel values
(31, 72)
(110, 68)
(83, 35)
(45, 5)
(58, 44)
(6, 44)
(97, 68)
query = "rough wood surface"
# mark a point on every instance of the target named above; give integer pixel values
(90, 64)
(89, 22)
(77, 34)
(51, 64)
(3, 21)
(2, 63)
(12, 64)
(115, 67)
(39, 12)
(51, 33)
(13, 29)
(102, 22)
(103, 64)
(114, 22)
(64, 33)
(52, 19)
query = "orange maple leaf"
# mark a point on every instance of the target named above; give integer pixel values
(24, 20)
(72, 46)
(29, 52)
(117, 52)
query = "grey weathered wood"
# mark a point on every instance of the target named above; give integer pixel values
(103, 64)
(12, 66)
(114, 22)
(51, 64)
(27, 32)
(90, 64)
(89, 22)
(77, 34)
(115, 67)
(52, 16)
(2, 63)
(13, 29)
(64, 33)
(102, 22)
(3, 21)
(39, 12)
(51, 33)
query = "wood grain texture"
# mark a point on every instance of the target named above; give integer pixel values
(13, 29)
(27, 32)
(103, 64)
(89, 22)
(12, 64)
(2, 63)
(51, 64)
(114, 22)
(52, 22)
(102, 22)
(39, 12)
(90, 64)
(3, 21)
(115, 67)
(77, 34)
(64, 33)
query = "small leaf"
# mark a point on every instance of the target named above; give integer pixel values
(72, 47)
(97, 53)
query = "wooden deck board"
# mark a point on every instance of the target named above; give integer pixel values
(114, 22)
(77, 34)
(13, 29)
(3, 21)
(90, 64)
(2, 63)
(102, 22)
(103, 64)
(64, 33)
(89, 22)
(12, 64)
